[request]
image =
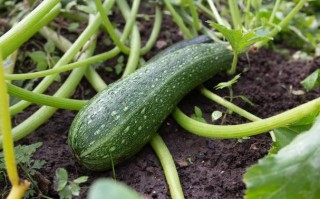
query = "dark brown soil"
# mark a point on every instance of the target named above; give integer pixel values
(208, 168)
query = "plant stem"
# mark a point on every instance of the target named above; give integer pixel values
(22, 31)
(110, 28)
(234, 64)
(247, 19)
(282, 24)
(249, 129)
(66, 58)
(217, 15)
(134, 55)
(95, 80)
(275, 8)
(42, 99)
(235, 14)
(168, 166)
(194, 14)
(216, 98)
(45, 112)
(18, 188)
(155, 32)
(176, 18)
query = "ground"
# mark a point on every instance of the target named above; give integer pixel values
(208, 168)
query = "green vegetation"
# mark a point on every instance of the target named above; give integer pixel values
(54, 41)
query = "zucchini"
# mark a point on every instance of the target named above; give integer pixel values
(119, 121)
(181, 44)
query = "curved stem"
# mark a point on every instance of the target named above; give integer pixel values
(282, 24)
(216, 98)
(155, 32)
(5, 121)
(249, 129)
(235, 14)
(110, 28)
(20, 33)
(133, 60)
(168, 166)
(45, 112)
(95, 80)
(194, 14)
(134, 55)
(234, 64)
(274, 10)
(42, 99)
(66, 58)
(176, 17)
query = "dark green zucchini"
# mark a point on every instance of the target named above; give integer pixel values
(120, 120)
(181, 44)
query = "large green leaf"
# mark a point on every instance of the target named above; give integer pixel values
(111, 189)
(293, 173)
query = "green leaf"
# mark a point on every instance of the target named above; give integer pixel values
(74, 188)
(292, 173)
(81, 179)
(110, 189)
(73, 26)
(216, 115)
(40, 59)
(197, 111)
(62, 179)
(49, 47)
(312, 81)
(285, 135)
(24, 153)
(119, 68)
(198, 115)
(227, 84)
(238, 40)
(65, 193)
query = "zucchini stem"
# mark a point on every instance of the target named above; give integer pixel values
(248, 129)
(168, 166)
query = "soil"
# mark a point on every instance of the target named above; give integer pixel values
(208, 168)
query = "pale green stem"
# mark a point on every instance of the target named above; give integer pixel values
(216, 98)
(22, 31)
(45, 112)
(194, 14)
(176, 18)
(66, 58)
(283, 23)
(155, 32)
(42, 99)
(168, 166)
(235, 14)
(248, 129)
(217, 15)
(95, 80)
(247, 19)
(110, 28)
(275, 8)
(234, 64)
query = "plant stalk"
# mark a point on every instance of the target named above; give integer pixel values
(168, 166)
(249, 129)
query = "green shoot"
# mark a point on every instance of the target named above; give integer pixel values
(238, 40)
(198, 115)
(312, 81)
(65, 187)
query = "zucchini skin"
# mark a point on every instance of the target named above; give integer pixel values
(119, 121)
(181, 44)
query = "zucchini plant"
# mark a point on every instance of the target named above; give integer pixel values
(124, 116)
